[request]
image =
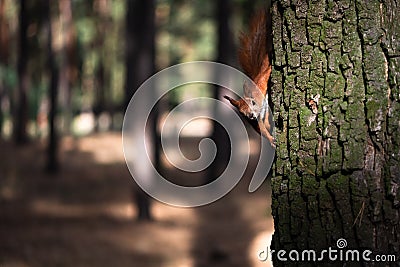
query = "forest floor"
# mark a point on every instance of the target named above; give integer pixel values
(85, 215)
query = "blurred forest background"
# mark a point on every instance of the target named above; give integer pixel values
(67, 71)
(84, 45)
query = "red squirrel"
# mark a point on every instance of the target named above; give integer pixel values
(254, 59)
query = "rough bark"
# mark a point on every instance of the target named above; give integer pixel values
(337, 169)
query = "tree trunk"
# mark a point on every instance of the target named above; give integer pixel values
(52, 149)
(140, 65)
(102, 79)
(68, 70)
(225, 55)
(140, 46)
(337, 170)
(4, 51)
(21, 114)
(4, 34)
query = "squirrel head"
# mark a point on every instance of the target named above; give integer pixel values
(247, 106)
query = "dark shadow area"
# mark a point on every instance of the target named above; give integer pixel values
(85, 216)
(229, 242)
(82, 216)
(225, 231)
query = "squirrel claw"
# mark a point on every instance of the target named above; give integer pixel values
(272, 141)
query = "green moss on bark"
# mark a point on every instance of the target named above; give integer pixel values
(337, 159)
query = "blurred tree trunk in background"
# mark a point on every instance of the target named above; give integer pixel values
(249, 8)
(140, 46)
(226, 55)
(4, 55)
(103, 73)
(4, 34)
(52, 157)
(68, 70)
(337, 172)
(21, 112)
(226, 52)
(140, 65)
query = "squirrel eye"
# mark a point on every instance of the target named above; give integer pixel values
(253, 102)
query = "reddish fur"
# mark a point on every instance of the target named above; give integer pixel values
(240, 104)
(255, 47)
(253, 55)
(254, 50)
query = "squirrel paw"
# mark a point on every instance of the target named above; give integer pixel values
(272, 141)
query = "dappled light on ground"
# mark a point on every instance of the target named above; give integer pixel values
(85, 215)
(260, 243)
